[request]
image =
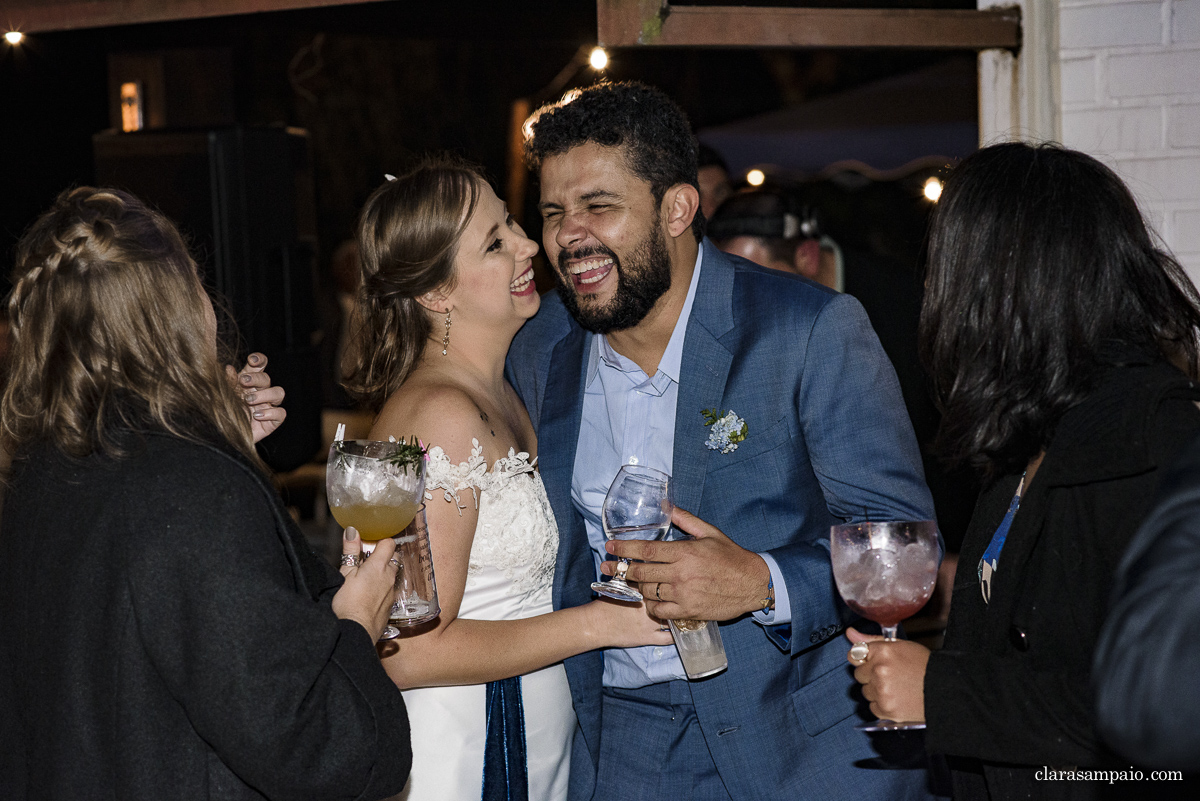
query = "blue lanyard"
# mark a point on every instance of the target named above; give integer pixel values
(991, 557)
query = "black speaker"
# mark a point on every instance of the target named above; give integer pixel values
(244, 199)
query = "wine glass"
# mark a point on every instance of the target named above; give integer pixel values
(638, 507)
(885, 571)
(376, 487)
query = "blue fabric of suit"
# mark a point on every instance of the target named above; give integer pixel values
(828, 440)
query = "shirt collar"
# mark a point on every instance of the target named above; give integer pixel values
(839, 265)
(672, 358)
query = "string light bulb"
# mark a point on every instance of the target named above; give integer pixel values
(598, 59)
(933, 189)
(14, 37)
(756, 177)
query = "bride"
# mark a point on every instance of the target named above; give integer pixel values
(447, 282)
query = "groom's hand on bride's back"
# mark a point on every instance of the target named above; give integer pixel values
(710, 577)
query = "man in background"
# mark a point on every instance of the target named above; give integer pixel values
(769, 227)
(713, 178)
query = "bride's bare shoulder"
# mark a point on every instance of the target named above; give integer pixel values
(437, 412)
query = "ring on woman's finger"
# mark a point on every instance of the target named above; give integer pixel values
(859, 653)
(394, 562)
(658, 587)
(351, 559)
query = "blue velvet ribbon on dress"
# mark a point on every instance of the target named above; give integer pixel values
(505, 772)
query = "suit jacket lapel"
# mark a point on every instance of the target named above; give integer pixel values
(558, 437)
(702, 375)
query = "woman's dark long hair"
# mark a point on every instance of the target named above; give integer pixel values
(1037, 255)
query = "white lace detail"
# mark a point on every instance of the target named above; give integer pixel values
(516, 532)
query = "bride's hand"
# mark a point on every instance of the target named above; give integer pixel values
(620, 624)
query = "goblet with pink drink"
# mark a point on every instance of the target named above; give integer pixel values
(885, 571)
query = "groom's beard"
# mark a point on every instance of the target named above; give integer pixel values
(641, 280)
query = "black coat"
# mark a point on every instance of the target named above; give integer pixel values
(1010, 692)
(166, 633)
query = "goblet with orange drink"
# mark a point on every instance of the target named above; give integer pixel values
(378, 488)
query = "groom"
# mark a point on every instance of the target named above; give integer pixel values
(652, 327)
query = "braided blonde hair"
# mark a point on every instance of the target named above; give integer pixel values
(110, 330)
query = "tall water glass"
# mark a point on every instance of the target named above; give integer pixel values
(416, 590)
(700, 648)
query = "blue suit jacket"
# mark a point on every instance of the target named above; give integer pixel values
(828, 441)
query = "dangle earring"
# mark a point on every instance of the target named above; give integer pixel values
(446, 338)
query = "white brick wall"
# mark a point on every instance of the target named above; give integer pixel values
(1183, 126)
(1185, 21)
(1130, 75)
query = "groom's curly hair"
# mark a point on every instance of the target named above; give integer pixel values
(648, 126)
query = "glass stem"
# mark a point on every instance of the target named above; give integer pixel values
(889, 632)
(619, 576)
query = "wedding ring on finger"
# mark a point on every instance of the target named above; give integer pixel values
(622, 569)
(394, 562)
(859, 653)
(657, 587)
(351, 560)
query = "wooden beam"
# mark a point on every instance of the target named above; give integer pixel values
(655, 23)
(41, 16)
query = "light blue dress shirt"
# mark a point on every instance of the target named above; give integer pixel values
(629, 418)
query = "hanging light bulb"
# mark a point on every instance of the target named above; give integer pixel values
(933, 189)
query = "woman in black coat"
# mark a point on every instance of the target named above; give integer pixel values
(165, 633)
(1063, 347)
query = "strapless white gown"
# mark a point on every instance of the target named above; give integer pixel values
(509, 577)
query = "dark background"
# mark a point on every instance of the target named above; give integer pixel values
(376, 84)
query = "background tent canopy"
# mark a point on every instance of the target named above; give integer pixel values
(890, 126)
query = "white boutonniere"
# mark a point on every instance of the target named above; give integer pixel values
(727, 430)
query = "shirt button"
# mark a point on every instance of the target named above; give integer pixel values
(633, 460)
(657, 652)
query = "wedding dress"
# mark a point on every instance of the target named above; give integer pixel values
(509, 577)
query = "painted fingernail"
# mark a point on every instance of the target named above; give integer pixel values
(351, 534)
(255, 359)
(249, 396)
(258, 415)
(245, 378)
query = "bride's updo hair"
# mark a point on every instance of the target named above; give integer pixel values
(408, 237)
(111, 330)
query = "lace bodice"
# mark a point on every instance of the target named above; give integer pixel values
(516, 533)
(510, 573)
